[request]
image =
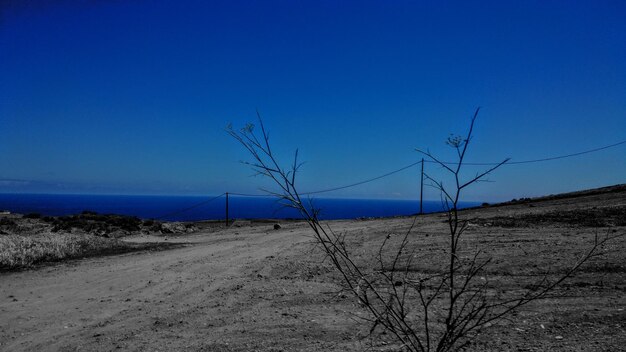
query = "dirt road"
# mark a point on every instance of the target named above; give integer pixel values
(251, 287)
(164, 300)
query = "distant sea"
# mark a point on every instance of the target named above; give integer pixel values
(193, 208)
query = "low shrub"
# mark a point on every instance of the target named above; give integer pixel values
(32, 216)
(92, 222)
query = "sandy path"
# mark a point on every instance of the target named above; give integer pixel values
(81, 303)
(252, 288)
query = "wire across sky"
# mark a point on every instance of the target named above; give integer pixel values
(327, 190)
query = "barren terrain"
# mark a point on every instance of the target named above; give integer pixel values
(250, 287)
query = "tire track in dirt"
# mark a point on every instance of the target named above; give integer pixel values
(94, 299)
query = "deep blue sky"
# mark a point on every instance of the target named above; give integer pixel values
(133, 96)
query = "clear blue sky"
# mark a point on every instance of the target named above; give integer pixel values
(133, 97)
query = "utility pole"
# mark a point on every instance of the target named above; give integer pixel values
(421, 188)
(227, 209)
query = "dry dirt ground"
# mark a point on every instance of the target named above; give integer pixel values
(252, 288)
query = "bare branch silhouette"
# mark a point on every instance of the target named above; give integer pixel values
(439, 311)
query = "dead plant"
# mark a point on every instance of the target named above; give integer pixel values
(440, 311)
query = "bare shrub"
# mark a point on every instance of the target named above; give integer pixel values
(434, 310)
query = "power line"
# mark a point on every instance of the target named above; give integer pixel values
(448, 163)
(400, 170)
(189, 208)
(340, 187)
(536, 160)
(247, 195)
(364, 181)
(568, 155)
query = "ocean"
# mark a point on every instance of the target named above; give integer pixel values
(195, 208)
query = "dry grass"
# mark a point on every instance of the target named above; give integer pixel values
(18, 251)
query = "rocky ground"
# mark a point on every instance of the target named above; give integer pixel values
(251, 287)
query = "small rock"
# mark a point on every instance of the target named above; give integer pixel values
(277, 226)
(559, 337)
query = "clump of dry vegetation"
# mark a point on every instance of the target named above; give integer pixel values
(18, 251)
(31, 239)
(103, 225)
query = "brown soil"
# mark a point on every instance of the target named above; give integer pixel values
(253, 288)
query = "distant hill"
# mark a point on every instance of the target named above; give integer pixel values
(620, 188)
